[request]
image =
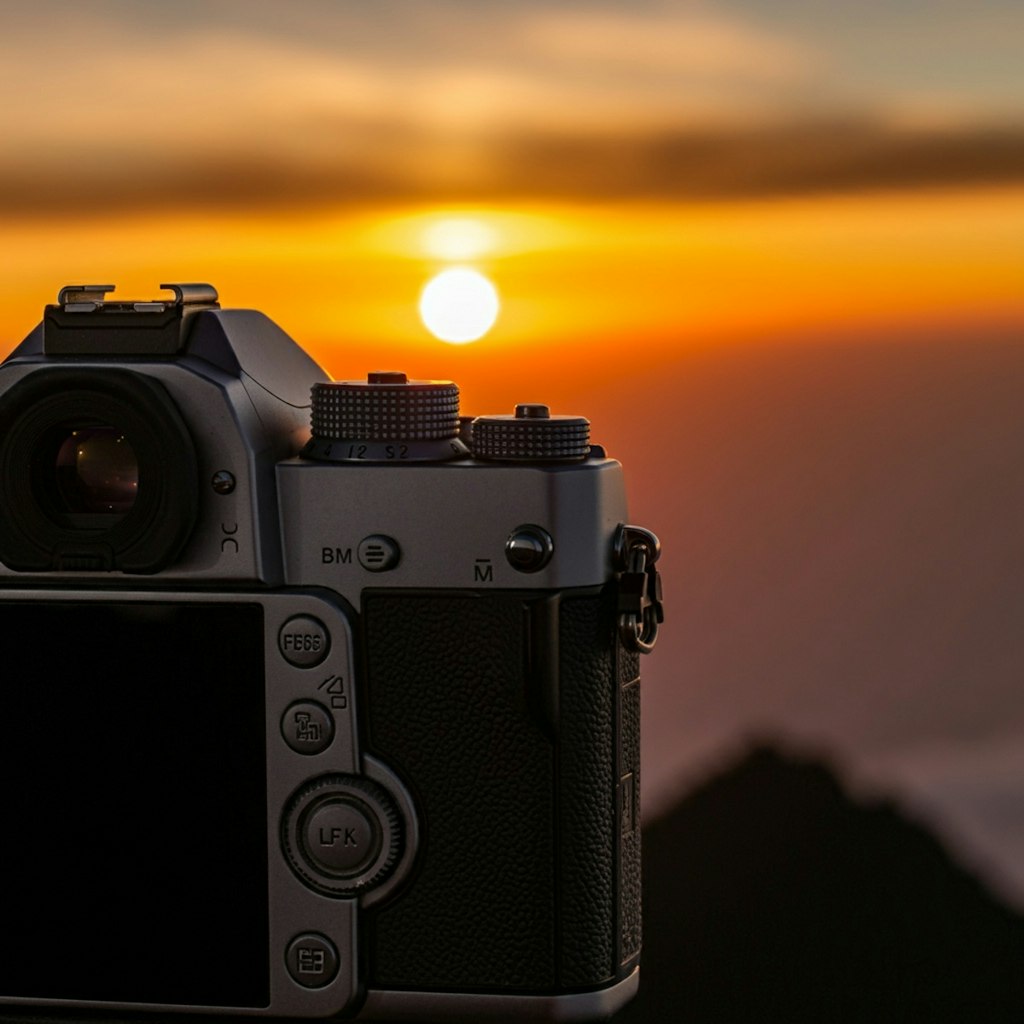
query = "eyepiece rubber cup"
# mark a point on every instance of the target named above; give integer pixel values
(49, 528)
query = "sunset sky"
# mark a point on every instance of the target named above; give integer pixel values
(669, 172)
(745, 237)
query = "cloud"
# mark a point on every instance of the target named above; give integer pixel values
(500, 68)
(343, 164)
(334, 104)
(679, 41)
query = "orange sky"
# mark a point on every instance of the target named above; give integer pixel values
(581, 284)
(642, 177)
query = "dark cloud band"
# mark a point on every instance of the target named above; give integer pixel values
(789, 160)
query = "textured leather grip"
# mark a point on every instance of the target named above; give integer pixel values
(507, 716)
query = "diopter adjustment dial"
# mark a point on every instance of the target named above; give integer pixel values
(386, 418)
(532, 434)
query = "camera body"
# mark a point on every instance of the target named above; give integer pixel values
(305, 726)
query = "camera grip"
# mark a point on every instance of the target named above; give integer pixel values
(507, 716)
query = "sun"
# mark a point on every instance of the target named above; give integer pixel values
(459, 305)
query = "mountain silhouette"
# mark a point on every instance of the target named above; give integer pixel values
(772, 895)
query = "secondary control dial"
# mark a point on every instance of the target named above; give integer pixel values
(386, 418)
(532, 434)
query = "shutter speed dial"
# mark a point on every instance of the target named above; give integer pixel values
(386, 418)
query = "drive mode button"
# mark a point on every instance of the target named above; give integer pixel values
(340, 837)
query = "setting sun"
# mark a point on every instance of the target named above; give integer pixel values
(459, 305)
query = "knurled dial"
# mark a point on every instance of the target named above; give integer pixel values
(341, 834)
(532, 434)
(386, 418)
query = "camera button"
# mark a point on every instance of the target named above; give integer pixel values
(340, 836)
(303, 641)
(379, 553)
(307, 727)
(529, 548)
(312, 960)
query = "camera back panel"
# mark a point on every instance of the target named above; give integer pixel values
(154, 746)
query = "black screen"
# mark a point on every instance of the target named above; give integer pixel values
(133, 834)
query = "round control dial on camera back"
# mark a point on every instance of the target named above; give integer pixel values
(341, 834)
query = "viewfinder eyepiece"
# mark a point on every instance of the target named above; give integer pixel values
(98, 472)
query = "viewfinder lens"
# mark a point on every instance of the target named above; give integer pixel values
(97, 471)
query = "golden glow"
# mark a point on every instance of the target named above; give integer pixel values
(464, 233)
(581, 285)
(459, 305)
(459, 238)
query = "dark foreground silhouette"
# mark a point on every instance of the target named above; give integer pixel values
(771, 895)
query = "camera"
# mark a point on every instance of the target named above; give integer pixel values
(319, 699)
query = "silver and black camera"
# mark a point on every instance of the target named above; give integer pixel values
(307, 724)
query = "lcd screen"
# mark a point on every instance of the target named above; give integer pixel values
(133, 803)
